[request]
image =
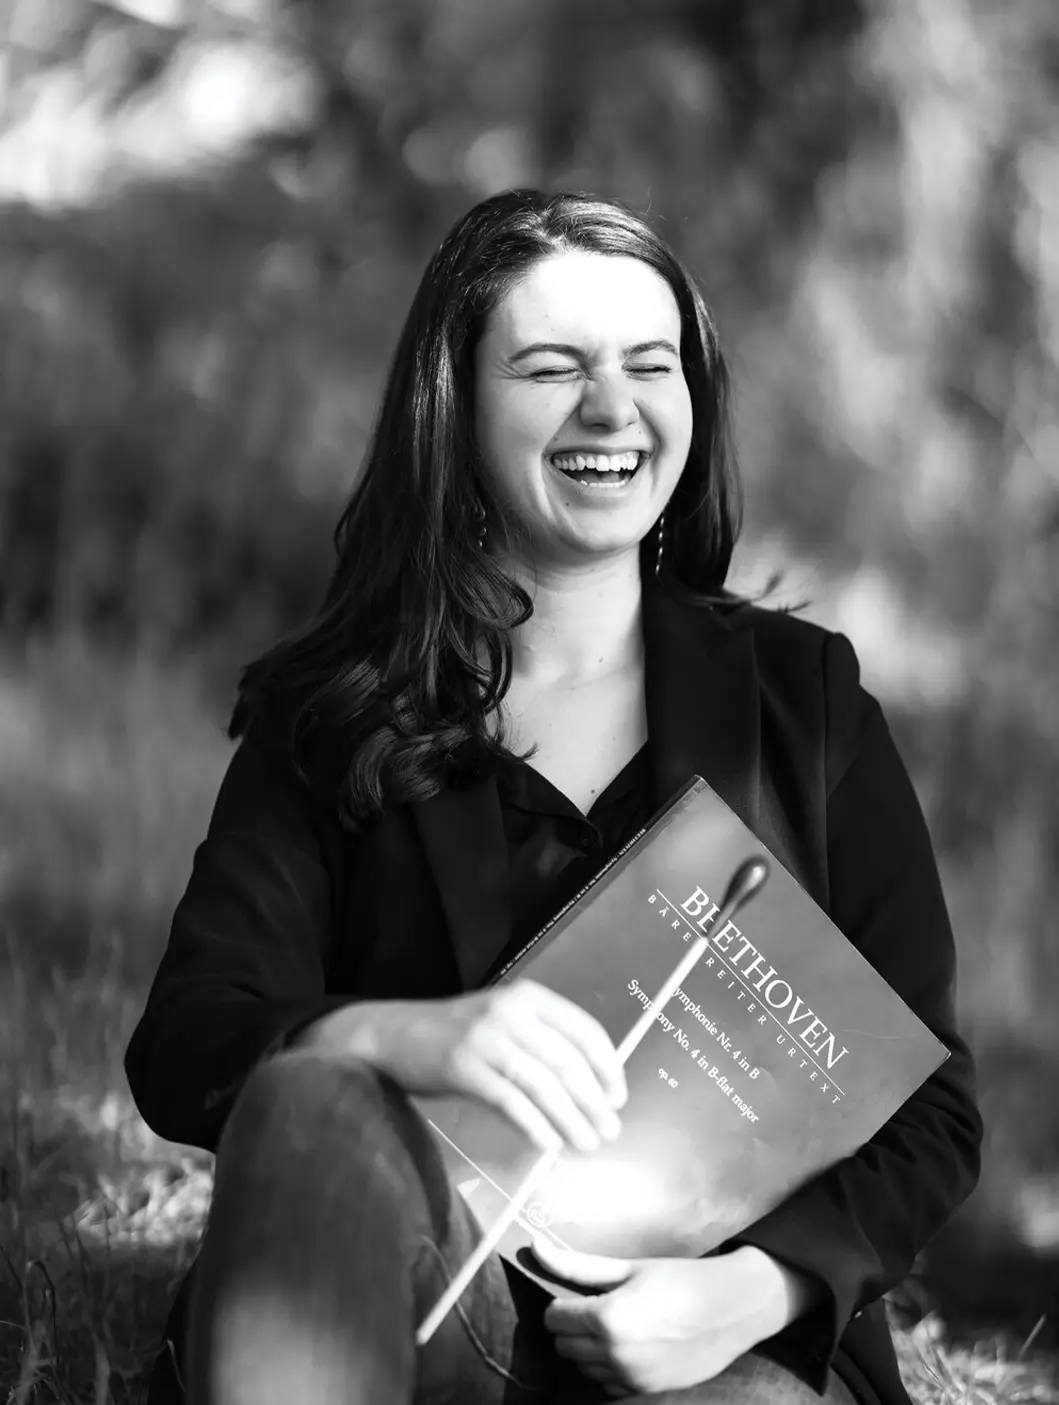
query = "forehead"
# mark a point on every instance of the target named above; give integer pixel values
(581, 297)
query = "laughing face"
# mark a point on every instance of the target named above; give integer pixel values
(583, 415)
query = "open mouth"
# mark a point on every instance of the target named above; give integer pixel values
(600, 470)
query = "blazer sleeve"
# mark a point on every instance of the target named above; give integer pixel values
(245, 965)
(858, 1227)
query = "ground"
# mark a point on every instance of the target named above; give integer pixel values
(99, 1219)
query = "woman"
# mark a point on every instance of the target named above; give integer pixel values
(532, 564)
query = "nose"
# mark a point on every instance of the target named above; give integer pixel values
(606, 403)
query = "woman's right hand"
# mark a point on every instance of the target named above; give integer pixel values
(522, 1048)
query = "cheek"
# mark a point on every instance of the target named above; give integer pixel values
(671, 408)
(515, 423)
(511, 441)
(682, 400)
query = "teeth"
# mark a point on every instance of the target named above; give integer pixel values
(602, 463)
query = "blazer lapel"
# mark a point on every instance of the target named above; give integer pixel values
(702, 697)
(703, 719)
(462, 832)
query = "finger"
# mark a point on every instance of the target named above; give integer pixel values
(580, 1080)
(573, 1317)
(499, 1092)
(585, 1031)
(521, 1066)
(584, 1350)
(589, 1035)
(591, 1270)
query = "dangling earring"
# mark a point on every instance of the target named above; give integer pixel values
(661, 541)
(478, 514)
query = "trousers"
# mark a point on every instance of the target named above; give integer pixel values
(334, 1229)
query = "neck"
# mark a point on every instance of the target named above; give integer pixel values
(585, 623)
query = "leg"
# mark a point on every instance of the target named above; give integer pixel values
(331, 1234)
(750, 1380)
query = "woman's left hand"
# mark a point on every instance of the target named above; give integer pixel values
(663, 1324)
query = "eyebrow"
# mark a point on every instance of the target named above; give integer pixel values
(565, 349)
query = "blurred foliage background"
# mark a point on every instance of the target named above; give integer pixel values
(214, 215)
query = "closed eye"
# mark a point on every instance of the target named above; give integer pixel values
(552, 373)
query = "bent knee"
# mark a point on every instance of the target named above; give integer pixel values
(300, 1114)
(291, 1097)
(302, 1104)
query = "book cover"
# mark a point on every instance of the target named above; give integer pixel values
(782, 1052)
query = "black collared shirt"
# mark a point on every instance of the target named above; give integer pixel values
(553, 849)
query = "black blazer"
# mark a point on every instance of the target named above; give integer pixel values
(286, 917)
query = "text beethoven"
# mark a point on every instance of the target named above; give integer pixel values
(753, 967)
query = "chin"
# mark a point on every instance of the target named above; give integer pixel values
(609, 546)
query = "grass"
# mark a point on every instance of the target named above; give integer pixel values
(100, 1219)
(992, 1372)
(108, 770)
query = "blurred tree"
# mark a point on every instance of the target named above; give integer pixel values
(217, 213)
(196, 290)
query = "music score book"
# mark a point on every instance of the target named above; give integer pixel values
(781, 1052)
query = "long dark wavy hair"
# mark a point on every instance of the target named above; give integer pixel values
(386, 694)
